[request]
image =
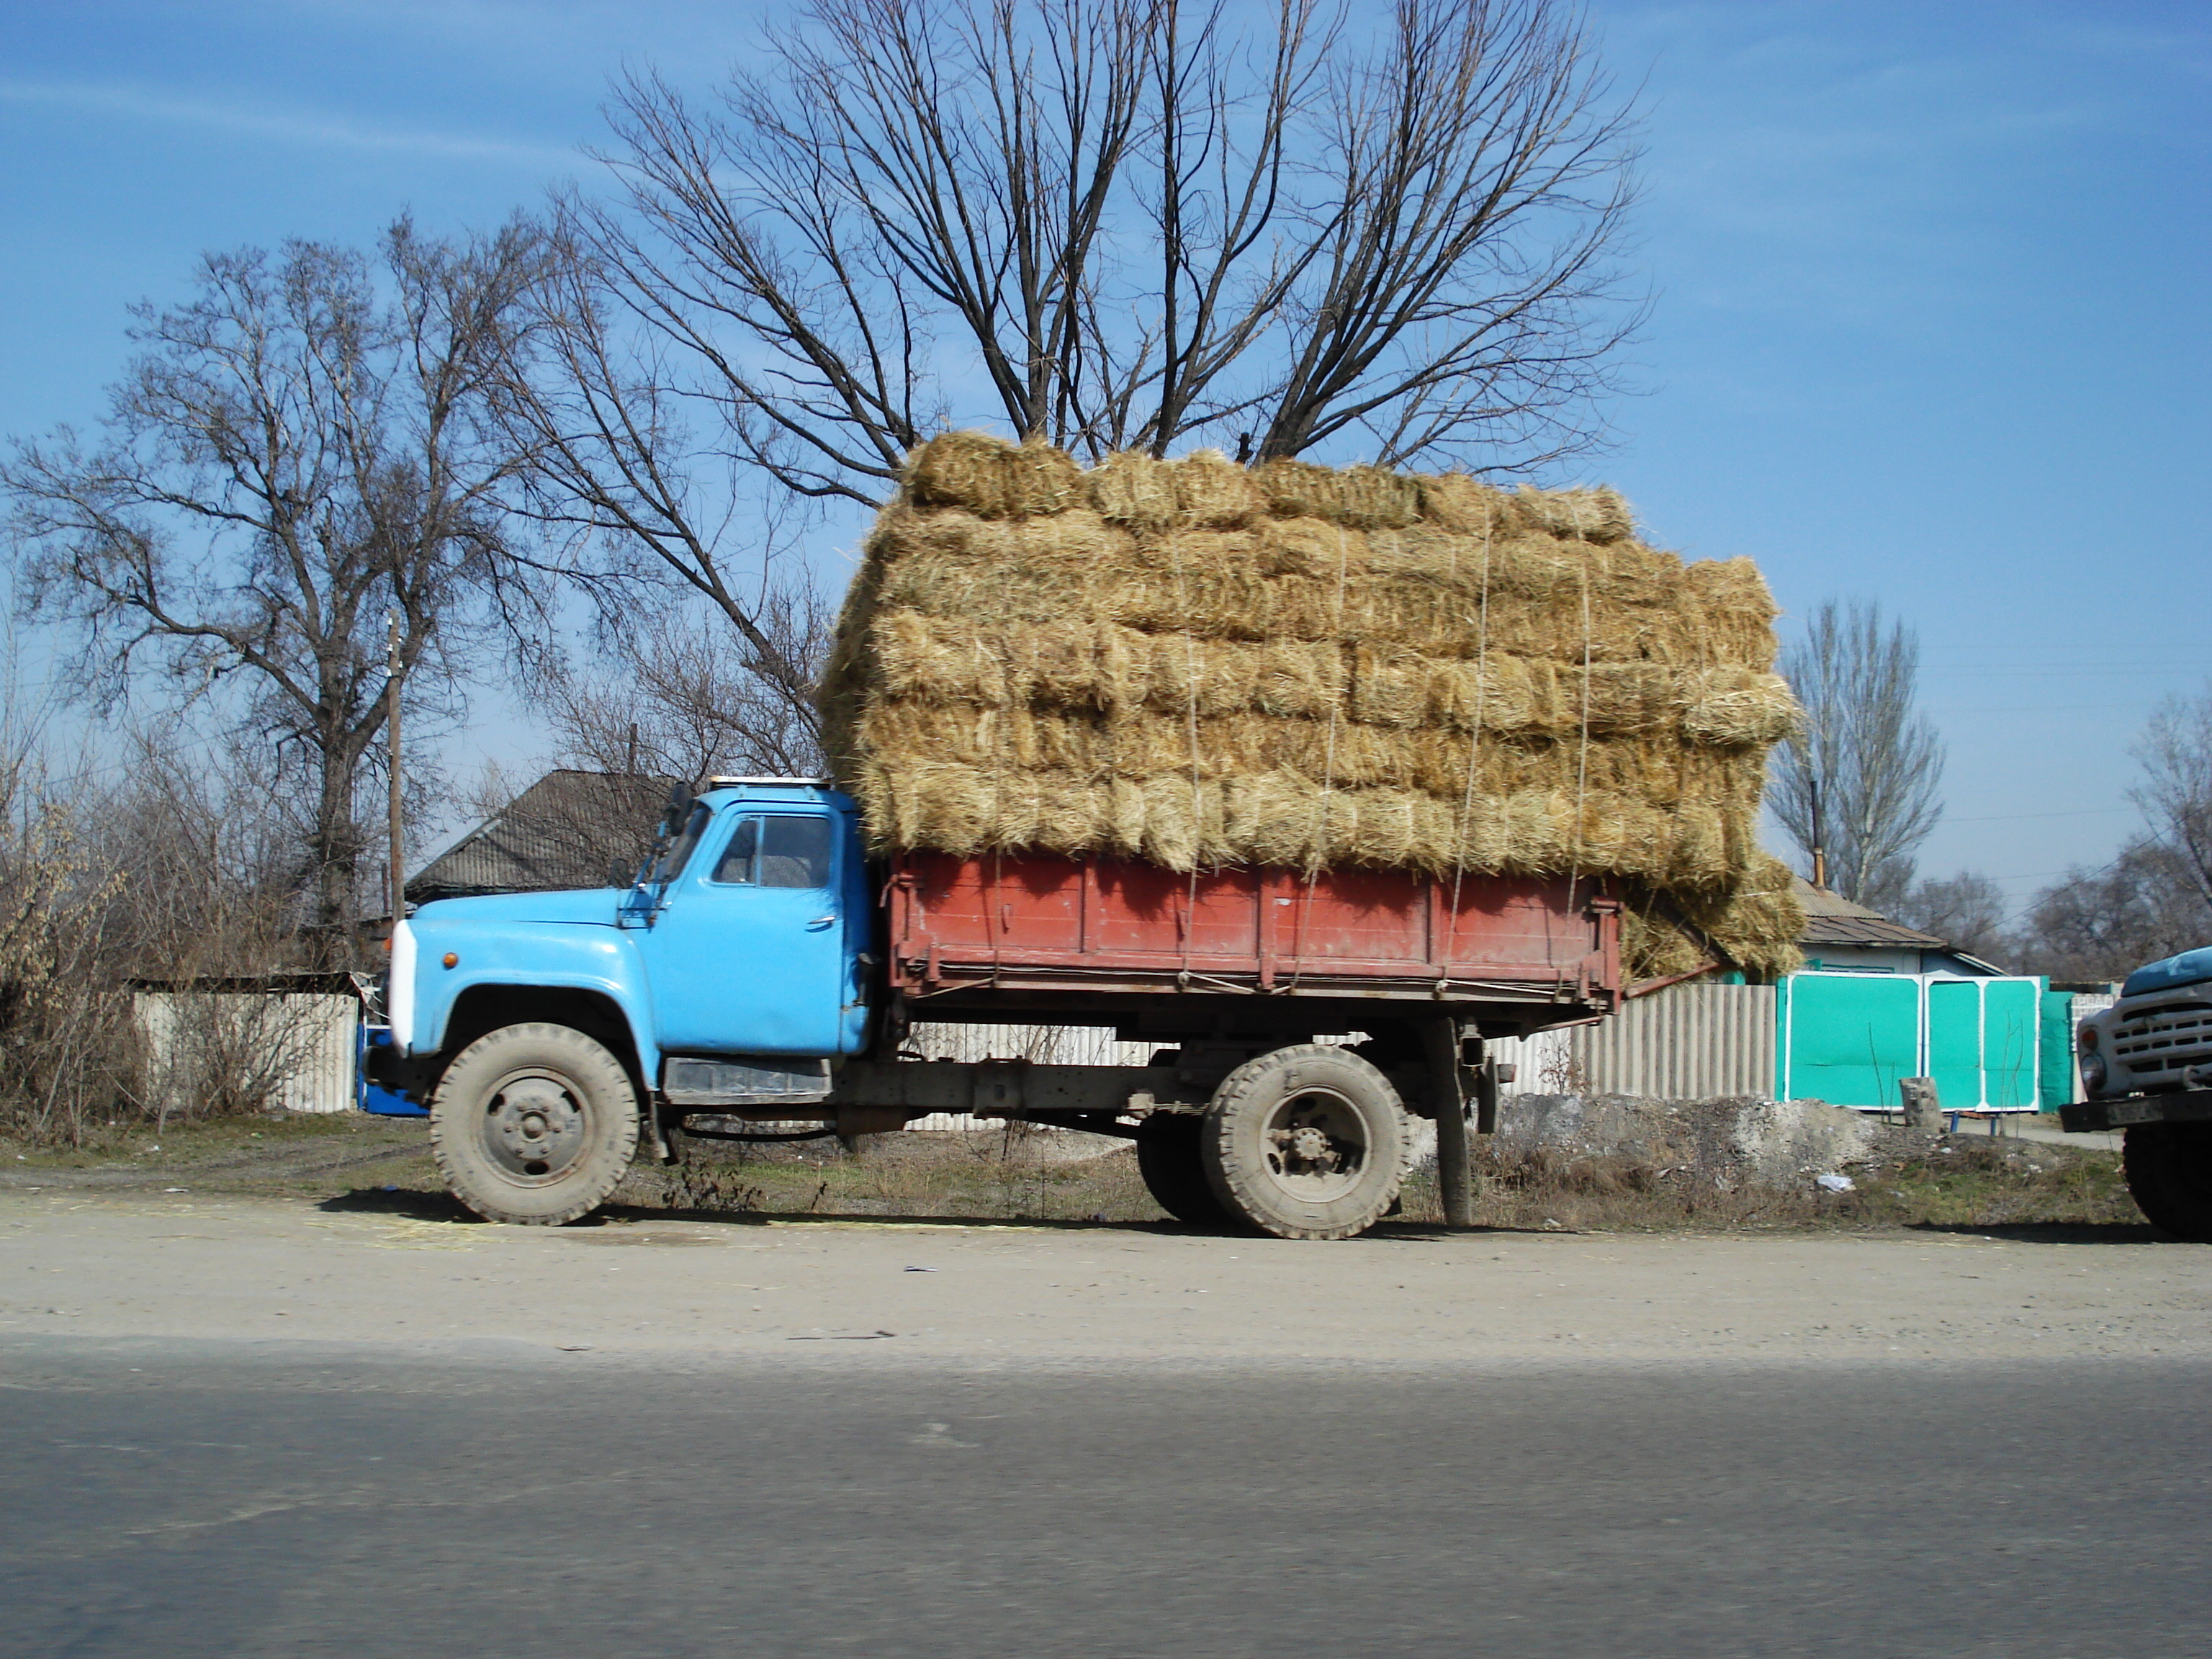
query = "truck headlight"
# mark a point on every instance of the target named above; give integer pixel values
(399, 988)
(2093, 1072)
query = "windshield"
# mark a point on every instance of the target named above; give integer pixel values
(678, 852)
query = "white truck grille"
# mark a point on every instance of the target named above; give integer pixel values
(2164, 1040)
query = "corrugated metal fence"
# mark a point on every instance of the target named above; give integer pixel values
(296, 1047)
(1040, 1045)
(1686, 1042)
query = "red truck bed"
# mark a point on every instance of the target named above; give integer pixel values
(1039, 924)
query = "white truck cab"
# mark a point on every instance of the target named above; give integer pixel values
(2146, 1065)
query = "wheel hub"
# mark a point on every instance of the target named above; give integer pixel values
(534, 1127)
(1315, 1148)
(1306, 1149)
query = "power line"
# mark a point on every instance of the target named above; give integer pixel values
(2014, 818)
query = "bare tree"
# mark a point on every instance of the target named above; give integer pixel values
(296, 455)
(172, 865)
(2103, 924)
(1856, 786)
(1967, 910)
(2176, 793)
(1120, 224)
(637, 503)
(677, 698)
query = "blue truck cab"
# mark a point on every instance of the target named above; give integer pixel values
(535, 1023)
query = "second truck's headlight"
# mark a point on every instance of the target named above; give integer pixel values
(2093, 1072)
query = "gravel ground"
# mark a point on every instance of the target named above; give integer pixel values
(393, 1267)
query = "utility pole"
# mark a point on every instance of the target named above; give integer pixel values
(1819, 841)
(396, 879)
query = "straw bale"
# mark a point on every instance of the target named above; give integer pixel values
(1757, 923)
(992, 478)
(1590, 515)
(1735, 612)
(1658, 946)
(1135, 490)
(1213, 492)
(1740, 708)
(1193, 664)
(1457, 504)
(1362, 497)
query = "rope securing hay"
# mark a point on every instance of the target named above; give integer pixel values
(1196, 663)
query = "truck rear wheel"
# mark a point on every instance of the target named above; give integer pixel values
(1174, 1168)
(534, 1124)
(1307, 1142)
(2169, 1168)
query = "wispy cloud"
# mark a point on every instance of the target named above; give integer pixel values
(287, 126)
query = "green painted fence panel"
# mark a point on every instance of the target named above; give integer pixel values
(1954, 1041)
(2011, 1011)
(1847, 1038)
(2058, 1066)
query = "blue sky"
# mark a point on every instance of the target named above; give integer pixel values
(1931, 320)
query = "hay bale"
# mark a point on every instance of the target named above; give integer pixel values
(1457, 504)
(1213, 492)
(1590, 515)
(992, 478)
(1193, 664)
(1358, 498)
(1135, 490)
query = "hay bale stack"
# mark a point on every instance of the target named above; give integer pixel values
(1197, 664)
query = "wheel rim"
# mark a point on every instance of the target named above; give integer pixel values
(1314, 1145)
(536, 1127)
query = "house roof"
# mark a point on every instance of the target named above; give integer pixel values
(1832, 919)
(566, 831)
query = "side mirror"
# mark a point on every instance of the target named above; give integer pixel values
(679, 809)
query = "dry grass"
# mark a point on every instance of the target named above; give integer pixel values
(312, 1155)
(1198, 666)
(1967, 1181)
(1028, 1175)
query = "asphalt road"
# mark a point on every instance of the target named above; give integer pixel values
(163, 1495)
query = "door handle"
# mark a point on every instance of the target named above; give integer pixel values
(820, 922)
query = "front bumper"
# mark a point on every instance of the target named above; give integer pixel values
(2085, 1117)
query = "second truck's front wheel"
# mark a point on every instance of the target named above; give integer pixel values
(534, 1124)
(1307, 1142)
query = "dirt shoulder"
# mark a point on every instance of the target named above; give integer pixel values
(301, 1157)
(392, 1268)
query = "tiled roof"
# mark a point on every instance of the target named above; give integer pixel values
(567, 829)
(1832, 919)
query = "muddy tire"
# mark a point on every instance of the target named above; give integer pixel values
(2169, 1168)
(1307, 1142)
(534, 1125)
(1174, 1168)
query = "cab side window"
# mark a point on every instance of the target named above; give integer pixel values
(742, 853)
(777, 852)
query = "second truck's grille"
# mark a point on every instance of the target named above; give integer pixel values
(2164, 1039)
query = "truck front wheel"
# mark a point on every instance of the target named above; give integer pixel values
(533, 1124)
(2169, 1168)
(1307, 1142)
